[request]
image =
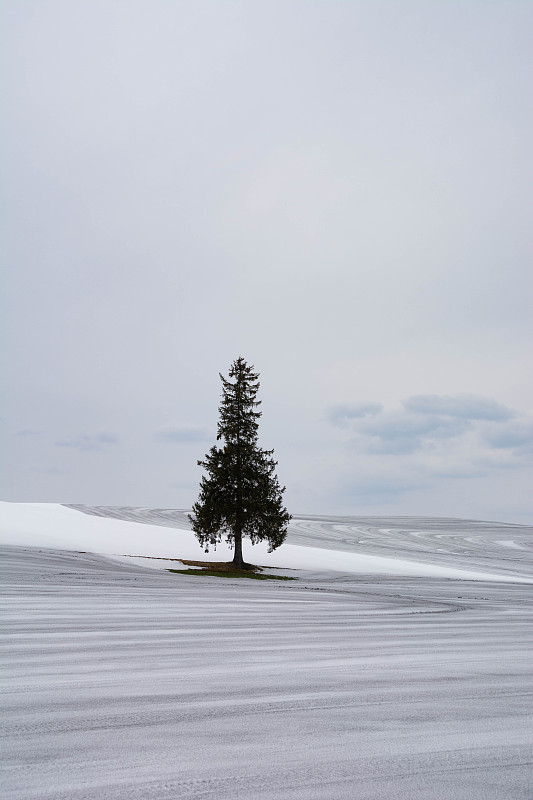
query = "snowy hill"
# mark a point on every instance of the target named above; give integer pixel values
(462, 549)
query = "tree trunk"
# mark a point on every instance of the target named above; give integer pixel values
(238, 563)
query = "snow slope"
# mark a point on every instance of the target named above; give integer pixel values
(50, 525)
(122, 682)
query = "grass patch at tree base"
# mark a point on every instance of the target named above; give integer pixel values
(222, 569)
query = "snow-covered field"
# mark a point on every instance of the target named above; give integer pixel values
(398, 665)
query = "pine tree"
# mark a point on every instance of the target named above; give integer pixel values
(241, 495)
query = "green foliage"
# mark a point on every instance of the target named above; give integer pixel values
(240, 495)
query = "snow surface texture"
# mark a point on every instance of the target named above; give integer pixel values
(127, 683)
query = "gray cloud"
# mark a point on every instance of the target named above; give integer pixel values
(514, 435)
(405, 433)
(28, 432)
(183, 433)
(464, 406)
(343, 413)
(464, 425)
(382, 489)
(89, 442)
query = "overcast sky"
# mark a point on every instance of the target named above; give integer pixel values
(340, 192)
